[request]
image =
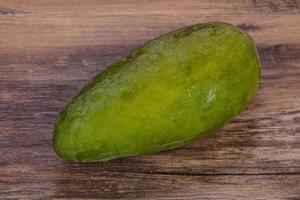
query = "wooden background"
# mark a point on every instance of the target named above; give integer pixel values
(51, 48)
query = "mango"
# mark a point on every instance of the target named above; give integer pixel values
(172, 90)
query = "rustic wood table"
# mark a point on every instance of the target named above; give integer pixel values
(51, 48)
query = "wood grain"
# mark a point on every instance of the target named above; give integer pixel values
(49, 49)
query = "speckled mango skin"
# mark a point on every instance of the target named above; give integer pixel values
(172, 90)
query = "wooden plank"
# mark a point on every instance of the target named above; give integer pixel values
(73, 183)
(53, 24)
(144, 7)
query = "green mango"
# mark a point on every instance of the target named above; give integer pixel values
(172, 90)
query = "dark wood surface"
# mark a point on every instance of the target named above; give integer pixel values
(51, 48)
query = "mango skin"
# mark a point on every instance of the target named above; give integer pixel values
(174, 89)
